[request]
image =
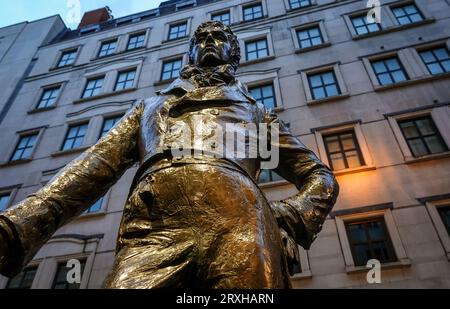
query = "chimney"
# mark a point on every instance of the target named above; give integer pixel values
(95, 17)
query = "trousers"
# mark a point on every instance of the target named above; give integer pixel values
(198, 226)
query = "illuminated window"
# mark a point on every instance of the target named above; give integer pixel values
(343, 150)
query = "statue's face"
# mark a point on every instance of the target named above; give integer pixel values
(212, 48)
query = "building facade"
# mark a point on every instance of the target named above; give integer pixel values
(370, 99)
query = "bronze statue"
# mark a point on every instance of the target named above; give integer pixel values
(189, 221)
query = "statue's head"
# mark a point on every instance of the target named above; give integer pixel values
(214, 44)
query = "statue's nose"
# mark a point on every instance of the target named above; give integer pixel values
(209, 38)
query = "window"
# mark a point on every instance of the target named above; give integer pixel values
(363, 26)
(24, 280)
(265, 95)
(136, 41)
(60, 281)
(49, 97)
(24, 148)
(444, 212)
(252, 12)
(389, 71)
(171, 69)
(75, 137)
(177, 31)
(93, 87)
(295, 4)
(323, 85)
(369, 239)
(4, 201)
(108, 124)
(309, 37)
(267, 176)
(422, 136)
(107, 48)
(96, 206)
(256, 49)
(224, 17)
(125, 80)
(67, 58)
(437, 60)
(343, 150)
(407, 14)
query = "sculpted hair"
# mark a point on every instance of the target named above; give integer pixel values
(235, 49)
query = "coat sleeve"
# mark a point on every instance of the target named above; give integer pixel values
(303, 214)
(26, 227)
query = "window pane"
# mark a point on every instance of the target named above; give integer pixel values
(444, 212)
(319, 93)
(347, 141)
(4, 201)
(357, 233)
(434, 144)
(337, 161)
(435, 68)
(417, 147)
(352, 159)
(331, 90)
(385, 79)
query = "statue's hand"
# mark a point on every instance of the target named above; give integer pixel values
(290, 251)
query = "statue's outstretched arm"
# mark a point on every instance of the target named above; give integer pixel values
(303, 214)
(26, 227)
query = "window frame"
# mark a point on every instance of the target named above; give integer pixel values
(12, 192)
(108, 41)
(106, 118)
(221, 12)
(432, 47)
(83, 143)
(342, 151)
(389, 72)
(256, 41)
(392, 231)
(166, 61)
(38, 131)
(437, 115)
(76, 49)
(263, 85)
(178, 23)
(37, 101)
(35, 267)
(394, 6)
(323, 69)
(252, 5)
(432, 205)
(387, 238)
(131, 36)
(251, 36)
(318, 24)
(126, 71)
(88, 80)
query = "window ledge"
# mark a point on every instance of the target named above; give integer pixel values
(250, 62)
(354, 170)
(91, 215)
(40, 110)
(69, 152)
(333, 98)
(272, 184)
(303, 275)
(392, 29)
(62, 68)
(409, 82)
(16, 162)
(164, 82)
(307, 49)
(104, 95)
(302, 8)
(430, 157)
(246, 22)
(403, 263)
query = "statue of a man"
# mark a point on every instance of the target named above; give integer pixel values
(189, 221)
